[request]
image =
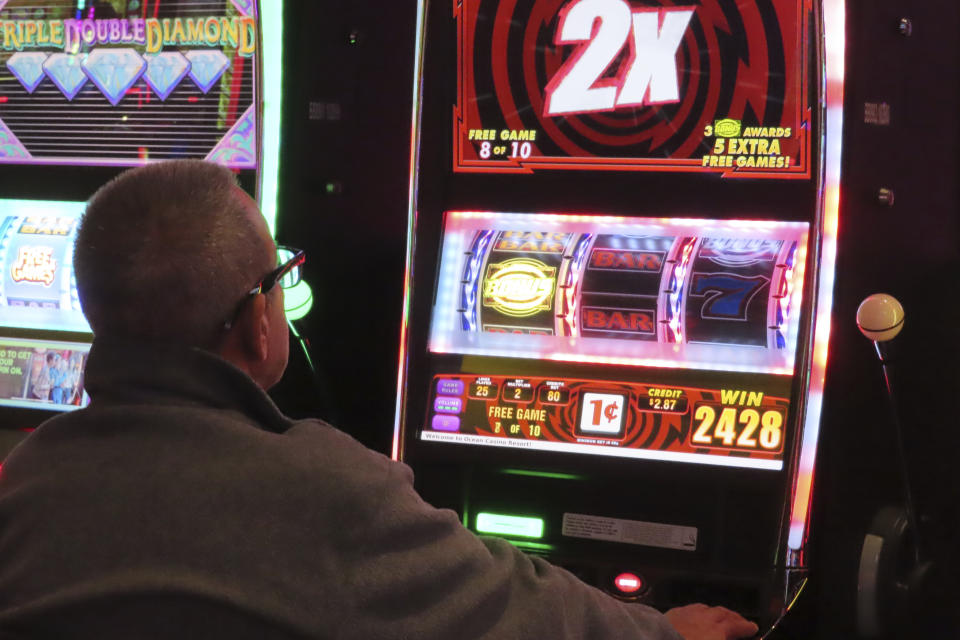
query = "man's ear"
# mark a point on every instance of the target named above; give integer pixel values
(246, 344)
(256, 329)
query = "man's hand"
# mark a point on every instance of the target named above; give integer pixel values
(700, 622)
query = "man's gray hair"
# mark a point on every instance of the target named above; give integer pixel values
(166, 252)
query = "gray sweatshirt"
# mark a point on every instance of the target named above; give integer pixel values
(182, 504)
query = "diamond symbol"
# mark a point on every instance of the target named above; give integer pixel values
(244, 6)
(28, 68)
(10, 147)
(206, 67)
(237, 149)
(165, 71)
(114, 71)
(66, 71)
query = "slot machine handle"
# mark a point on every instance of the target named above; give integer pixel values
(884, 581)
(880, 318)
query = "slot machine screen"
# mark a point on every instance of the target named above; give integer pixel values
(719, 87)
(37, 287)
(119, 88)
(691, 295)
(42, 374)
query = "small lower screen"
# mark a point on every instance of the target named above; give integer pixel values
(42, 374)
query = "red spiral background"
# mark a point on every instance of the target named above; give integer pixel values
(740, 60)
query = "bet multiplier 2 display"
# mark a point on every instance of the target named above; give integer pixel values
(622, 224)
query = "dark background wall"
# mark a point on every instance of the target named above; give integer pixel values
(900, 133)
(348, 86)
(345, 172)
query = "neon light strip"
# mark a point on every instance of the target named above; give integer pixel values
(79, 161)
(834, 19)
(271, 28)
(411, 221)
(793, 275)
(17, 403)
(471, 282)
(585, 222)
(571, 292)
(616, 452)
(678, 279)
(541, 474)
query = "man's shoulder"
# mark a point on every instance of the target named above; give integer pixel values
(303, 451)
(203, 456)
(315, 444)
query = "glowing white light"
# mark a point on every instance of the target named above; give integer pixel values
(411, 223)
(617, 452)
(834, 19)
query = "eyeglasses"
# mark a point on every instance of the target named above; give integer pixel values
(287, 275)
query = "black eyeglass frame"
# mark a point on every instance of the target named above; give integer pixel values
(269, 281)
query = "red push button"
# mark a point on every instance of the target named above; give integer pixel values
(628, 583)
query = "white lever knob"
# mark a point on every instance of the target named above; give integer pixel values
(880, 317)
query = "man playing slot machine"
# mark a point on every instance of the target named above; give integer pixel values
(182, 503)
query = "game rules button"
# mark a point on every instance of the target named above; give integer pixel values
(449, 387)
(445, 423)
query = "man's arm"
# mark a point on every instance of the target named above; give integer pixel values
(710, 623)
(418, 573)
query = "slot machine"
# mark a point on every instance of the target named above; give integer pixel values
(622, 235)
(88, 89)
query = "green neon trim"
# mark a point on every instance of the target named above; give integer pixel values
(509, 525)
(541, 474)
(303, 346)
(271, 31)
(533, 546)
(298, 300)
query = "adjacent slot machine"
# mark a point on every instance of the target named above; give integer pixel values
(88, 89)
(623, 224)
(46, 341)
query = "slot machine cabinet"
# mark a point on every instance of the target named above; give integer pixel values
(86, 91)
(45, 342)
(622, 225)
(622, 238)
